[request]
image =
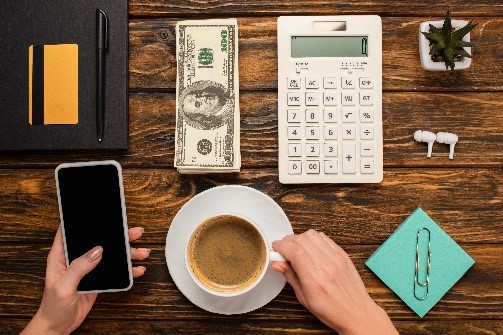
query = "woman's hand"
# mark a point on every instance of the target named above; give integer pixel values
(62, 309)
(326, 282)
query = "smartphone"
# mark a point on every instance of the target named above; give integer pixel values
(93, 212)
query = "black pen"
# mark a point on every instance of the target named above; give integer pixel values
(101, 49)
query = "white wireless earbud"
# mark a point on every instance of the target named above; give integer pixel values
(426, 136)
(448, 138)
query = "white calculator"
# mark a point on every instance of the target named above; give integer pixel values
(330, 99)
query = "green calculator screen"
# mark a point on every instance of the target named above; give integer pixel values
(329, 46)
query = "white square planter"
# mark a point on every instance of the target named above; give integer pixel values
(424, 47)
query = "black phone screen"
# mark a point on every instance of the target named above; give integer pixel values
(91, 203)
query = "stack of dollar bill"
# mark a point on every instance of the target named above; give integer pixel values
(207, 97)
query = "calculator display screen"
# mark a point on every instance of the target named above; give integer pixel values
(329, 46)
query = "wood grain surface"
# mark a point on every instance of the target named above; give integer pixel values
(152, 59)
(464, 196)
(353, 214)
(259, 8)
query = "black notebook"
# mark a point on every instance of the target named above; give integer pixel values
(49, 75)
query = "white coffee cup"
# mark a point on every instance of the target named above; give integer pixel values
(270, 256)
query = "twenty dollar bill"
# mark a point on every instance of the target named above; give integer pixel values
(207, 97)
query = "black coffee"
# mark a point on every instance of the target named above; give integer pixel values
(226, 253)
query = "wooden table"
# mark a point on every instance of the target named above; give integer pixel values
(464, 196)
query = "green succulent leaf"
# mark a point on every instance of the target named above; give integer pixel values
(463, 44)
(434, 29)
(434, 37)
(449, 60)
(435, 49)
(447, 27)
(460, 33)
(462, 52)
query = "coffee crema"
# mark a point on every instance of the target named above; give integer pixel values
(226, 253)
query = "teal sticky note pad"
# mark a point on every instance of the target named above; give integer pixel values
(394, 262)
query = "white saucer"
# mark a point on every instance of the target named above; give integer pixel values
(228, 198)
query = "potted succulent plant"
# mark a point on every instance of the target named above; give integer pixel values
(445, 44)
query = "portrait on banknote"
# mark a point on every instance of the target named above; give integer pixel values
(206, 104)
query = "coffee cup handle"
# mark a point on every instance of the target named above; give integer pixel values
(276, 257)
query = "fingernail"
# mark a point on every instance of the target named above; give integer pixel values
(143, 268)
(148, 251)
(95, 253)
(139, 228)
(278, 268)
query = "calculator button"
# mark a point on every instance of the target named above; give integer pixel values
(294, 99)
(330, 167)
(367, 149)
(313, 167)
(330, 149)
(366, 166)
(366, 115)
(348, 98)
(294, 167)
(312, 82)
(330, 133)
(294, 133)
(312, 133)
(312, 115)
(348, 132)
(330, 99)
(294, 82)
(367, 133)
(312, 149)
(366, 98)
(366, 82)
(294, 149)
(330, 115)
(348, 82)
(312, 99)
(348, 115)
(293, 115)
(330, 82)
(348, 158)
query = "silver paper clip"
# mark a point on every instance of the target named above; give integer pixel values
(426, 283)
